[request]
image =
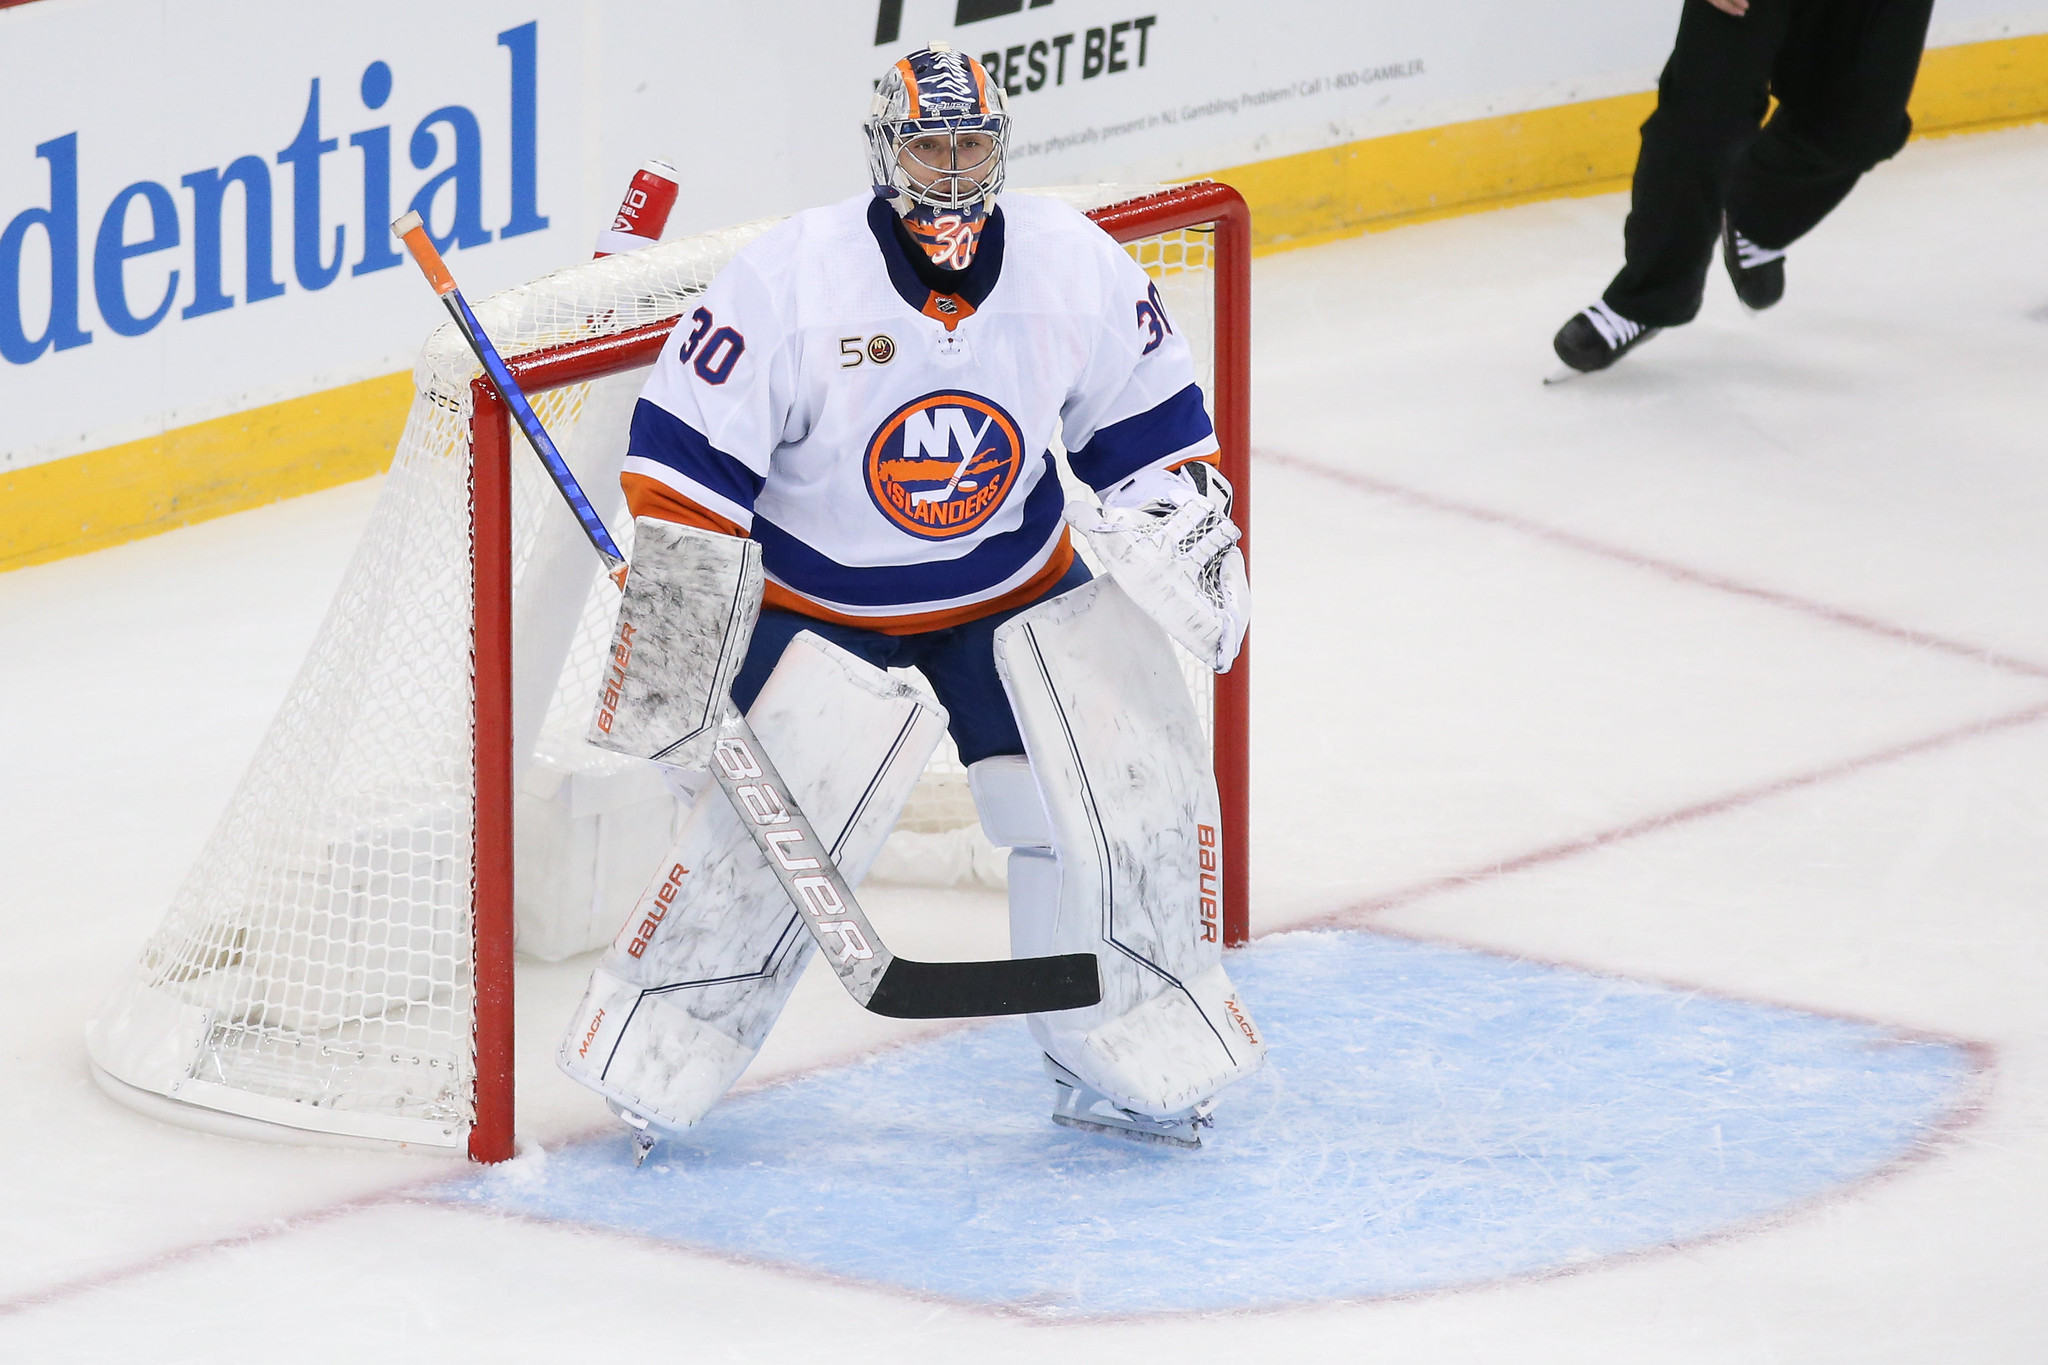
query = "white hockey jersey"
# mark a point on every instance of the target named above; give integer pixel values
(890, 447)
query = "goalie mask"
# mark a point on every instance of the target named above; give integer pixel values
(936, 136)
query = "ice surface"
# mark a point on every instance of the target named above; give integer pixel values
(1430, 1116)
(1745, 793)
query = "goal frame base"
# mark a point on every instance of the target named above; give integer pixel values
(220, 1123)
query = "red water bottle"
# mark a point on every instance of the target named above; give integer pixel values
(643, 213)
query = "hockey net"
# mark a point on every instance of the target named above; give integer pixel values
(338, 960)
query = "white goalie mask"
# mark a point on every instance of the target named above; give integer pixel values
(937, 133)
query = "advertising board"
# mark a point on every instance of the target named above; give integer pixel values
(194, 193)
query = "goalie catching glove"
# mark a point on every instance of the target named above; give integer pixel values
(1166, 536)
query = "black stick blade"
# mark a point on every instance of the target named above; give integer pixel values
(975, 990)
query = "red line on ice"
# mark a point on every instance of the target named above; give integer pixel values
(1700, 810)
(1351, 915)
(1680, 573)
(175, 1256)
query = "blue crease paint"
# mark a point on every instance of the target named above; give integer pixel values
(1430, 1116)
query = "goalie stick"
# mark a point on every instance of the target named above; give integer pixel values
(876, 978)
(413, 232)
(884, 983)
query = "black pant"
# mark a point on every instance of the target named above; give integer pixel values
(1841, 70)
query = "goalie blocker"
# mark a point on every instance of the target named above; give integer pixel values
(685, 619)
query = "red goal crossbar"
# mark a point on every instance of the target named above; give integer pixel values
(1191, 207)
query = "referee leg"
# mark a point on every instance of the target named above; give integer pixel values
(1842, 80)
(1710, 99)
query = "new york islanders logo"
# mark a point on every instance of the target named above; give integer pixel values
(941, 465)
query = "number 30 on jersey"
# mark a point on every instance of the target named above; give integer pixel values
(716, 349)
(1152, 318)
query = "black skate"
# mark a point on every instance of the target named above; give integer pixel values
(1757, 272)
(1597, 336)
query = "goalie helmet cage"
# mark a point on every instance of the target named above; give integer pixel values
(350, 976)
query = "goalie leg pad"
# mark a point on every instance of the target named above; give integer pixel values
(1131, 803)
(688, 991)
(685, 619)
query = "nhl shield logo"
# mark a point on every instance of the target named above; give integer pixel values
(941, 465)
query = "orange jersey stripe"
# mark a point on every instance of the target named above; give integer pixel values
(917, 623)
(647, 498)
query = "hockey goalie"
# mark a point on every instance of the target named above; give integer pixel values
(841, 465)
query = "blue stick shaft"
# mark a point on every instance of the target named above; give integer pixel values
(536, 434)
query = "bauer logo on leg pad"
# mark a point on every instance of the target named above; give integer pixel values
(655, 909)
(1210, 858)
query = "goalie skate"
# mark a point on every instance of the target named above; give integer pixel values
(1076, 1104)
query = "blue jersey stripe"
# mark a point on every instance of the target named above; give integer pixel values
(665, 438)
(1121, 449)
(982, 569)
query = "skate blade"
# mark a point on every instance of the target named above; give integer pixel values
(1191, 1141)
(645, 1134)
(1563, 374)
(1075, 1105)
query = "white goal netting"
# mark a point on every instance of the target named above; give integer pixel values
(315, 968)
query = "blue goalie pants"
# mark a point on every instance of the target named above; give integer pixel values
(959, 662)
